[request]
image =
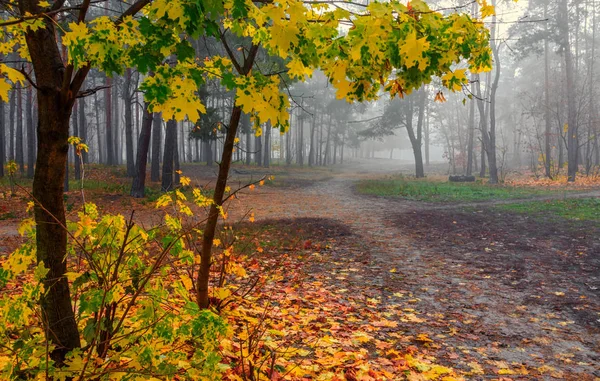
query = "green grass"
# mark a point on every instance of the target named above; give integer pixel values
(444, 191)
(582, 209)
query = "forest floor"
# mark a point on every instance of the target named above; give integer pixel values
(494, 294)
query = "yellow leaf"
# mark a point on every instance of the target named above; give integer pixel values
(297, 69)
(44, 4)
(185, 180)
(13, 75)
(487, 10)
(412, 50)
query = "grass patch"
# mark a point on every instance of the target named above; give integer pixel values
(444, 191)
(581, 209)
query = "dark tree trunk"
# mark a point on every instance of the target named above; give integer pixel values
(203, 278)
(169, 156)
(101, 153)
(116, 124)
(19, 134)
(110, 157)
(326, 158)
(416, 139)
(30, 133)
(572, 138)
(311, 151)
(83, 127)
(176, 166)
(267, 149)
(258, 150)
(491, 146)
(2, 142)
(288, 146)
(127, 98)
(12, 116)
(548, 130)
(249, 147)
(138, 186)
(76, 161)
(156, 137)
(54, 107)
(471, 133)
(208, 154)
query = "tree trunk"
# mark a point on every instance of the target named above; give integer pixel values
(12, 117)
(491, 148)
(110, 159)
(572, 138)
(208, 156)
(248, 144)
(54, 107)
(138, 186)
(127, 103)
(2, 142)
(76, 161)
(83, 127)
(415, 139)
(156, 137)
(548, 130)
(258, 150)
(30, 133)
(267, 149)
(169, 156)
(471, 127)
(19, 134)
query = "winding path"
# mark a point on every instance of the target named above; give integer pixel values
(503, 300)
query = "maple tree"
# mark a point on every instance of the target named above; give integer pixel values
(393, 47)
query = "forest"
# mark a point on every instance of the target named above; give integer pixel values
(299, 190)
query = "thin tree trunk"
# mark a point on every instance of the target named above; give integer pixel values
(12, 123)
(548, 130)
(2, 142)
(83, 127)
(169, 156)
(267, 149)
(156, 143)
(127, 98)
(76, 162)
(110, 160)
(203, 278)
(491, 149)
(138, 186)
(572, 138)
(471, 127)
(258, 150)
(19, 133)
(30, 133)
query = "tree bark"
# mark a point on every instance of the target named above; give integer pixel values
(258, 150)
(83, 127)
(169, 156)
(203, 278)
(2, 142)
(572, 138)
(127, 101)
(267, 148)
(30, 133)
(19, 133)
(76, 162)
(156, 137)
(54, 108)
(12, 111)
(110, 157)
(548, 130)
(138, 186)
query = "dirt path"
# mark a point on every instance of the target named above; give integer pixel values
(498, 293)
